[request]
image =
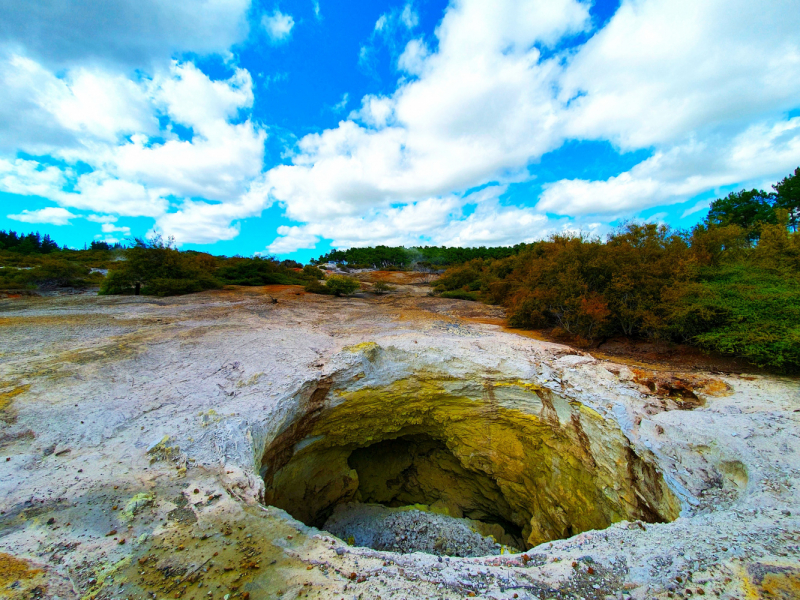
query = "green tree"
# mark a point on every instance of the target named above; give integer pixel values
(155, 267)
(748, 209)
(788, 191)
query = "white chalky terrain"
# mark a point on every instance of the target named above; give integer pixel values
(133, 433)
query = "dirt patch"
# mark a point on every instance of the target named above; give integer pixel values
(681, 389)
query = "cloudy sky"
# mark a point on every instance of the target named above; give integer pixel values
(242, 126)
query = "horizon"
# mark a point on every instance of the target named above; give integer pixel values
(294, 128)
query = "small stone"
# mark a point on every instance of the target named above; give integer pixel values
(112, 532)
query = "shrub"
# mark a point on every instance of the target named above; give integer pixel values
(339, 285)
(255, 271)
(460, 295)
(47, 273)
(177, 287)
(312, 272)
(315, 287)
(381, 287)
(159, 269)
(744, 311)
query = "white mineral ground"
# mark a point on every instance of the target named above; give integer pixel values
(132, 432)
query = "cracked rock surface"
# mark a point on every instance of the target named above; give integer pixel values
(135, 438)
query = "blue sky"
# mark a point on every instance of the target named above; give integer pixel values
(288, 128)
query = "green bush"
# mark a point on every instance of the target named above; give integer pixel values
(159, 269)
(312, 272)
(339, 285)
(255, 271)
(315, 287)
(460, 295)
(748, 312)
(381, 287)
(48, 273)
(177, 287)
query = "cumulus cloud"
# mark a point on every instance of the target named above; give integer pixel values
(291, 239)
(110, 228)
(412, 60)
(139, 168)
(482, 109)
(682, 171)
(51, 215)
(124, 33)
(278, 26)
(662, 69)
(705, 87)
(474, 219)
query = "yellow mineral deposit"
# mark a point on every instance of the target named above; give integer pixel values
(497, 452)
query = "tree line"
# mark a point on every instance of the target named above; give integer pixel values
(422, 257)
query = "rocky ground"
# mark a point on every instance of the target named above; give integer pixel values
(132, 432)
(404, 530)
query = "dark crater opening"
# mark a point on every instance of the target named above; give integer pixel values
(453, 475)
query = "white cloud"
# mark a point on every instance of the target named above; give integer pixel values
(376, 111)
(315, 6)
(662, 69)
(28, 177)
(291, 239)
(702, 205)
(134, 175)
(101, 218)
(342, 104)
(278, 26)
(483, 107)
(50, 215)
(109, 228)
(683, 171)
(124, 33)
(409, 16)
(440, 221)
(705, 87)
(412, 60)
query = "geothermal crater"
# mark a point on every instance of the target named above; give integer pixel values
(208, 446)
(546, 469)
